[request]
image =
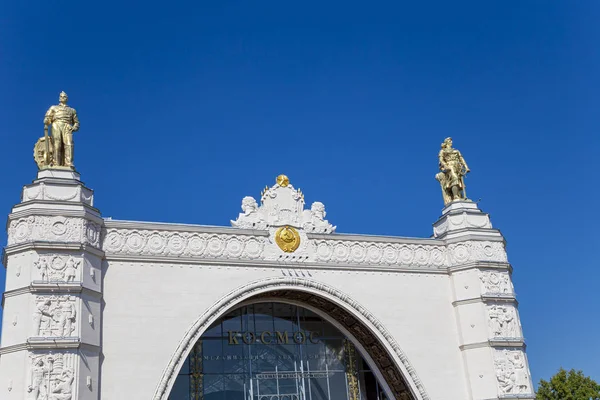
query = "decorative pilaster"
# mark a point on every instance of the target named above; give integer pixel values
(491, 338)
(53, 292)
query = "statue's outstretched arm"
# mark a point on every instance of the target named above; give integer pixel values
(75, 121)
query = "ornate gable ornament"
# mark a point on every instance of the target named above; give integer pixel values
(283, 206)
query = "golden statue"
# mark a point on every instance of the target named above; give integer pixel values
(454, 168)
(56, 151)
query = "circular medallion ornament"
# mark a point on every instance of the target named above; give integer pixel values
(282, 180)
(287, 238)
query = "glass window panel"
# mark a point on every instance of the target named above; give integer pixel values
(235, 386)
(181, 389)
(285, 317)
(263, 317)
(214, 330)
(318, 389)
(185, 368)
(248, 318)
(232, 322)
(334, 354)
(233, 358)
(369, 385)
(311, 322)
(234, 371)
(330, 331)
(338, 386)
(214, 387)
(212, 356)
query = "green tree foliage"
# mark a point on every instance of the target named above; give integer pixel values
(571, 385)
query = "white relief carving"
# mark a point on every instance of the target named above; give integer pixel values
(14, 321)
(57, 267)
(463, 220)
(44, 228)
(313, 220)
(54, 316)
(57, 192)
(461, 253)
(282, 205)
(18, 271)
(236, 246)
(512, 372)
(251, 218)
(503, 321)
(373, 253)
(183, 244)
(52, 377)
(495, 282)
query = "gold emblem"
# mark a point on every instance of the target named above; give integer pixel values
(282, 180)
(287, 238)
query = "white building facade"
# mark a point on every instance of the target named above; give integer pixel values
(276, 307)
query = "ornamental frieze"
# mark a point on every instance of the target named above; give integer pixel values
(56, 228)
(202, 245)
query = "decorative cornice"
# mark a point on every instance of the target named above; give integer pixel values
(49, 344)
(231, 246)
(52, 287)
(495, 342)
(488, 297)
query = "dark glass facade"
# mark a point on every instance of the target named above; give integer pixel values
(275, 351)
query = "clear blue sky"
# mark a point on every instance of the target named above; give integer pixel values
(186, 108)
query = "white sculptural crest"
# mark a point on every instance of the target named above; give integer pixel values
(281, 205)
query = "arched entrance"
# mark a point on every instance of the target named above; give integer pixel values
(368, 359)
(269, 350)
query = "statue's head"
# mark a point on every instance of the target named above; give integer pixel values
(62, 98)
(447, 143)
(318, 209)
(249, 204)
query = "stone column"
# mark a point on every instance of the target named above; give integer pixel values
(485, 305)
(51, 340)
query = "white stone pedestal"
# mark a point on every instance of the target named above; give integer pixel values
(52, 303)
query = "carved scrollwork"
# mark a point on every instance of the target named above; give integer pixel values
(56, 228)
(182, 244)
(461, 253)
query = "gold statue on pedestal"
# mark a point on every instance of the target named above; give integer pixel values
(454, 168)
(56, 151)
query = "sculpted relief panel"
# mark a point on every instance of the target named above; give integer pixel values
(51, 377)
(57, 267)
(503, 321)
(512, 372)
(54, 316)
(60, 229)
(497, 283)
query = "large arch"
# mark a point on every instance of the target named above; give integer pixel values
(381, 347)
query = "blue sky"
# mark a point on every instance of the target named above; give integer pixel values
(185, 108)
